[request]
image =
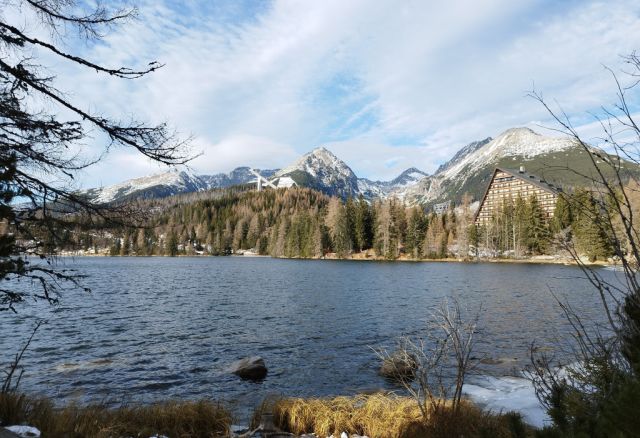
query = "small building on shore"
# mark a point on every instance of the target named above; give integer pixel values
(509, 184)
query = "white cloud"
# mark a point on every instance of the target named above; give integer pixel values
(243, 150)
(410, 82)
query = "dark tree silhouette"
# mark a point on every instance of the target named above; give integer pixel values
(38, 158)
(598, 392)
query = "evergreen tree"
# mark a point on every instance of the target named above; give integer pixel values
(538, 236)
(416, 231)
(520, 226)
(351, 219)
(363, 229)
(172, 244)
(562, 216)
(589, 227)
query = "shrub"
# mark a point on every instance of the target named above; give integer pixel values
(197, 419)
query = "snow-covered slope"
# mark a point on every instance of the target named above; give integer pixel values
(467, 150)
(154, 186)
(408, 178)
(469, 170)
(239, 175)
(322, 170)
(516, 142)
(170, 183)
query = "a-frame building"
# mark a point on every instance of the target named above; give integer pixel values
(509, 184)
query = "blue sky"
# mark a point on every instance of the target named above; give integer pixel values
(385, 85)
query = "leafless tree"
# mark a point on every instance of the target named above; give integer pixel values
(440, 362)
(604, 358)
(37, 158)
(14, 372)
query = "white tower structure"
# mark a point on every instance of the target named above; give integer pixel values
(260, 180)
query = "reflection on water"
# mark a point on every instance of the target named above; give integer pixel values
(155, 328)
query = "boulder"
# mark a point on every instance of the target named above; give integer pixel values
(249, 368)
(399, 366)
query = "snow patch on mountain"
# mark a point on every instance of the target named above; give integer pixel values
(407, 178)
(320, 169)
(320, 163)
(331, 175)
(522, 142)
(239, 175)
(467, 150)
(171, 182)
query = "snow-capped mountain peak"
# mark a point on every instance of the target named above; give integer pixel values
(318, 163)
(527, 143)
(320, 169)
(408, 177)
(520, 142)
(171, 182)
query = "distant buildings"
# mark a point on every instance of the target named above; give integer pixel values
(442, 207)
(508, 184)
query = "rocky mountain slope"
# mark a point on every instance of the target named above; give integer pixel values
(319, 169)
(322, 170)
(171, 183)
(555, 159)
(240, 175)
(153, 186)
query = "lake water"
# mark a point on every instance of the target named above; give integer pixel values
(158, 328)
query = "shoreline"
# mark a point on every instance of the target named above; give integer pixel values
(535, 260)
(485, 396)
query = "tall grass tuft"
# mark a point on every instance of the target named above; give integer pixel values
(376, 415)
(385, 415)
(197, 419)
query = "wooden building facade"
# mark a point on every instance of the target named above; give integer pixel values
(509, 184)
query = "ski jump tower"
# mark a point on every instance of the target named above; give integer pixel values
(260, 180)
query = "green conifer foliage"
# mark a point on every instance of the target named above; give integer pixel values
(538, 235)
(588, 226)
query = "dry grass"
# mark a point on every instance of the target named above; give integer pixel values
(377, 415)
(391, 416)
(175, 419)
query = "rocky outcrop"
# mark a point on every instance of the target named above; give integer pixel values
(249, 368)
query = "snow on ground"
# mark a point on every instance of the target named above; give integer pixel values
(503, 394)
(24, 431)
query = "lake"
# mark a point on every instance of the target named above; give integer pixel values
(158, 328)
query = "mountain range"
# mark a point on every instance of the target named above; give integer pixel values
(468, 171)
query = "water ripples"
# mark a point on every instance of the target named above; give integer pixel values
(156, 328)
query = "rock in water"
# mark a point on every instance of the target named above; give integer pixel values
(250, 368)
(399, 366)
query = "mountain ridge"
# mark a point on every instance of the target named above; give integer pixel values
(468, 171)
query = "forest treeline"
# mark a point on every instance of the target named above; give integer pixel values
(305, 223)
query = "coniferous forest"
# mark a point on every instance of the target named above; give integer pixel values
(304, 223)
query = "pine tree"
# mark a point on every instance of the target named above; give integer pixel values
(562, 216)
(520, 226)
(351, 218)
(172, 244)
(416, 231)
(464, 226)
(538, 236)
(363, 230)
(589, 227)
